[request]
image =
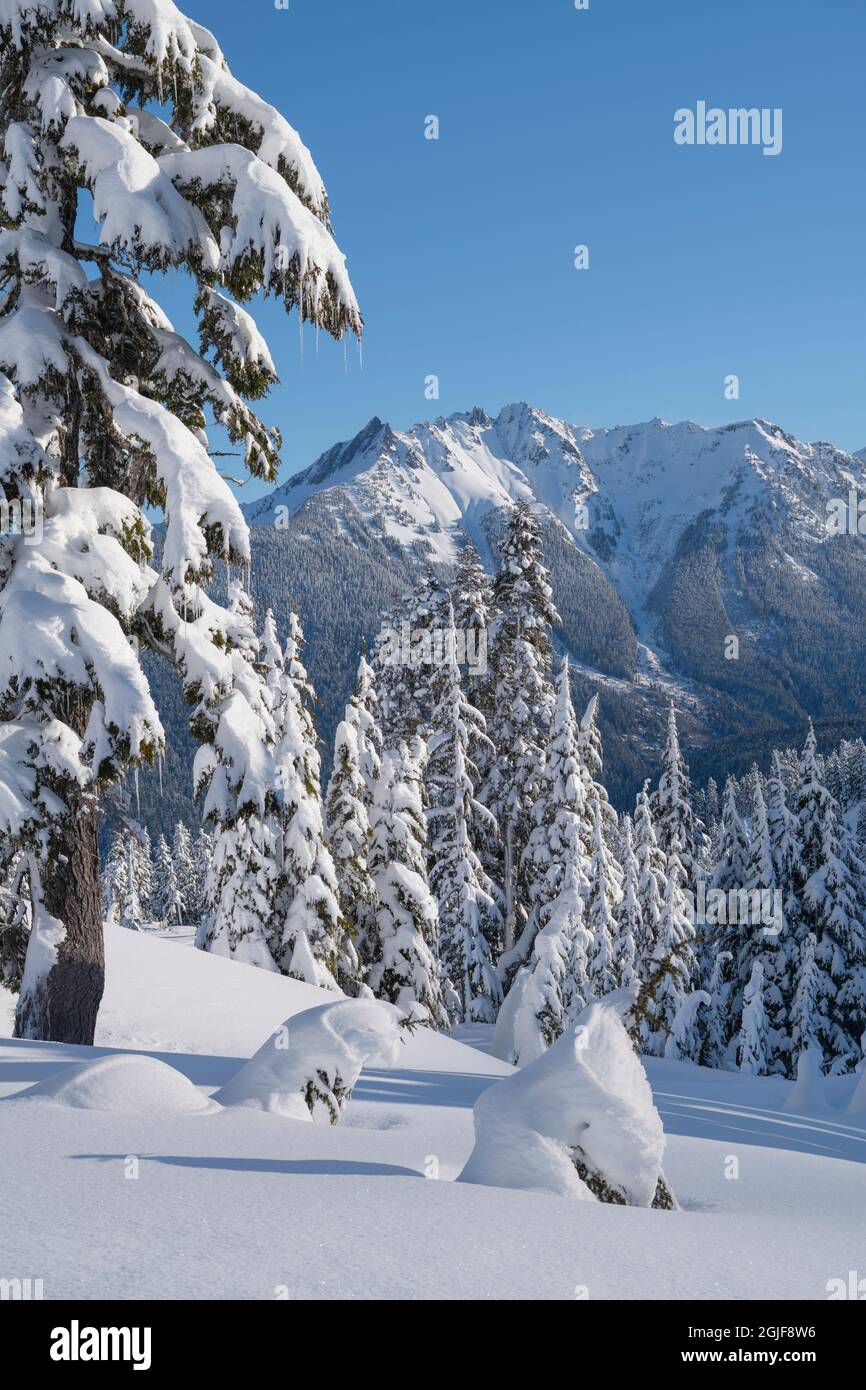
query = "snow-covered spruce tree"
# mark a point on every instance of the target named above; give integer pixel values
(729, 873)
(472, 596)
(184, 869)
(833, 909)
(675, 822)
(311, 940)
(811, 986)
(523, 699)
(719, 1027)
(629, 918)
(764, 941)
(104, 408)
(687, 1038)
(754, 1050)
(237, 774)
(127, 881)
(470, 923)
(731, 868)
(348, 829)
(552, 984)
(370, 742)
(652, 877)
(786, 850)
(592, 765)
(600, 918)
(168, 904)
(203, 849)
(404, 966)
(673, 968)
(406, 652)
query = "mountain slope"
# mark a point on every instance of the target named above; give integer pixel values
(664, 543)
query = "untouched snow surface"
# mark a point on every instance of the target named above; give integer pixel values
(243, 1204)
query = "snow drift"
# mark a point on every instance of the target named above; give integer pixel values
(125, 1083)
(579, 1122)
(308, 1069)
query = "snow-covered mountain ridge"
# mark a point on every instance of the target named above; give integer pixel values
(663, 542)
(625, 495)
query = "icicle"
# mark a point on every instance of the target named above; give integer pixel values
(137, 793)
(301, 311)
(160, 760)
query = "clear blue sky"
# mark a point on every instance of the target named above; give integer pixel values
(557, 129)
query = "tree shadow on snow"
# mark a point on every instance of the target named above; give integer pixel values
(459, 1090)
(201, 1068)
(329, 1167)
(706, 1117)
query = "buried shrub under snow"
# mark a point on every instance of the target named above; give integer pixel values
(579, 1122)
(308, 1069)
(123, 1082)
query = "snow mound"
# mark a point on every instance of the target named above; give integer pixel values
(808, 1094)
(308, 1069)
(579, 1122)
(127, 1084)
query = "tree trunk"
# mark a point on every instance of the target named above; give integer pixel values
(64, 973)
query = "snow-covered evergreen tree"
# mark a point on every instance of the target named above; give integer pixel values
(677, 827)
(764, 940)
(731, 867)
(719, 1017)
(472, 596)
(127, 879)
(754, 1049)
(673, 967)
(552, 986)
(811, 986)
(168, 901)
(523, 700)
(600, 919)
(404, 967)
(652, 878)
(686, 1040)
(184, 870)
(130, 111)
(629, 918)
(348, 826)
(203, 849)
(311, 939)
(237, 776)
(833, 910)
(370, 739)
(408, 649)
(470, 923)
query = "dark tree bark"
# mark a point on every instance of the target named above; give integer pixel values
(64, 1005)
